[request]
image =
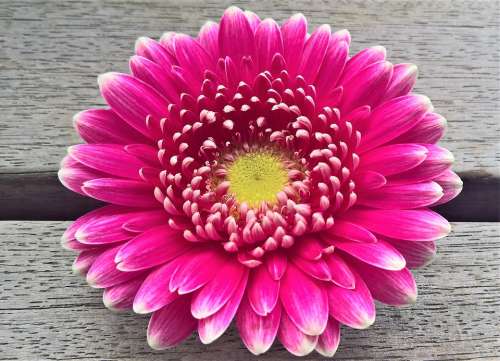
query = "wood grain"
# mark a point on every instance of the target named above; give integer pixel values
(52, 51)
(46, 313)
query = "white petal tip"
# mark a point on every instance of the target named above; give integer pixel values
(106, 78)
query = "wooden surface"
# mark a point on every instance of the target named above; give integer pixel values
(48, 313)
(50, 55)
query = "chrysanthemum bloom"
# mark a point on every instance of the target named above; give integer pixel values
(260, 174)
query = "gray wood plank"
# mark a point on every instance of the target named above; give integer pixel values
(46, 313)
(51, 52)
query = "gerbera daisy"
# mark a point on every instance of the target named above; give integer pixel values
(261, 174)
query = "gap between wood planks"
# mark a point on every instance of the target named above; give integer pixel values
(40, 196)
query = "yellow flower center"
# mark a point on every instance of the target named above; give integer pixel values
(257, 177)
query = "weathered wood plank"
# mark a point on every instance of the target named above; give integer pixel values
(46, 313)
(51, 52)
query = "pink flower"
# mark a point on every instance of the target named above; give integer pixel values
(260, 174)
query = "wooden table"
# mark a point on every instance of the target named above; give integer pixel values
(50, 54)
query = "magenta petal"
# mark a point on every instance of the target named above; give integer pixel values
(214, 295)
(411, 225)
(304, 300)
(452, 186)
(236, 38)
(340, 271)
(276, 264)
(140, 222)
(416, 254)
(73, 174)
(361, 60)
(428, 130)
(209, 39)
(351, 231)
(192, 57)
(405, 196)
(295, 341)
(309, 248)
(154, 51)
(268, 41)
(121, 297)
(380, 254)
(121, 192)
(212, 327)
(353, 308)
(263, 291)
(153, 247)
(84, 260)
(396, 288)
(332, 66)
(294, 32)
(402, 81)
(369, 180)
(317, 269)
(328, 341)
(171, 325)
(314, 53)
(257, 332)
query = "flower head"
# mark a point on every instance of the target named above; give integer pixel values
(260, 174)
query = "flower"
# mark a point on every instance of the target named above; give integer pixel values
(260, 174)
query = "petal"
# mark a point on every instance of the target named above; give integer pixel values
(192, 57)
(428, 130)
(104, 274)
(351, 231)
(402, 81)
(142, 221)
(257, 332)
(304, 301)
(84, 260)
(212, 327)
(393, 118)
(268, 42)
(73, 174)
(396, 288)
(121, 297)
(107, 158)
(353, 308)
(314, 53)
(380, 254)
(153, 247)
(405, 196)
(340, 271)
(171, 325)
(393, 159)
(121, 192)
(294, 32)
(133, 100)
(451, 184)
(276, 264)
(410, 225)
(328, 341)
(296, 342)
(236, 38)
(253, 19)
(317, 269)
(263, 291)
(309, 248)
(368, 179)
(332, 67)
(416, 254)
(154, 51)
(209, 39)
(214, 295)
(361, 60)
(105, 126)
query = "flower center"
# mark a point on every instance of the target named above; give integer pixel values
(256, 177)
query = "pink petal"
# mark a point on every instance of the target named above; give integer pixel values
(410, 225)
(268, 42)
(351, 231)
(361, 60)
(104, 274)
(428, 130)
(209, 39)
(276, 264)
(142, 221)
(212, 327)
(263, 291)
(73, 174)
(296, 342)
(154, 51)
(340, 271)
(236, 38)
(105, 126)
(304, 301)
(332, 67)
(153, 247)
(380, 254)
(317, 269)
(294, 32)
(171, 325)
(214, 295)
(416, 254)
(328, 341)
(405, 196)
(309, 248)
(393, 159)
(133, 100)
(353, 308)
(393, 118)
(368, 179)
(396, 288)
(84, 260)
(314, 53)
(121, 297)
(257, 332)
(452, 186)
(253, 19)
(402, 81)
(154, 293)
(121, 192)
(192, 57)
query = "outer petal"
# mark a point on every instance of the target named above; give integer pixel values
(452, 186)
(154, 51)
(314, 53)
(84, 260)
(171, 325)
(416, 254)
(121, 297)
(276, 264)
(268, 41)
(354, 308)
(411, 225)
(317, 269)
(304, 301)
(236, 38)
(263, 291)
(340, 271)
(402, 81)
(332, 66)
(209, 39)
(328, 341)
(294, 32)
(351, 231)
(257, 332)
(192, 57)
(73, 175)
(361, 60)
(428, 130)
(121, 192)
(296, 342)
(369, 179)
